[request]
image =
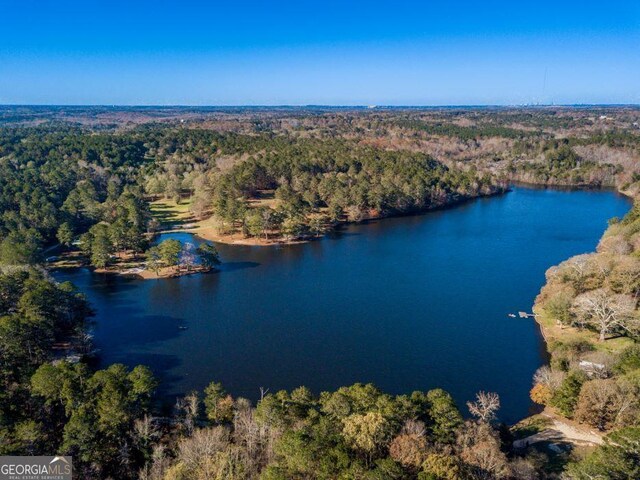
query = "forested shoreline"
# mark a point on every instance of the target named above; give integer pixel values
(100, 185)
(588, 313)
(94, 191)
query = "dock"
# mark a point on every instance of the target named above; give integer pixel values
(522, 315)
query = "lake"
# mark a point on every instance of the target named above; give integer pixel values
(408, 303)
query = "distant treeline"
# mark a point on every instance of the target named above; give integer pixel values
(466, 133)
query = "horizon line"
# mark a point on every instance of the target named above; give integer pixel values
(327, 106)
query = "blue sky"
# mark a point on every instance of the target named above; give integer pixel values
(319, 52)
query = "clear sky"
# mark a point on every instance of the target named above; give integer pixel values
(319, 52)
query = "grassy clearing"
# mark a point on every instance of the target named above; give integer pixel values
(170, 214)
(70, 259)
(264, 198)
(556, 333)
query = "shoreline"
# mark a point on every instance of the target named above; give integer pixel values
(136, 266)
(133, 269)
(206, 232)
(539, 316)
(569, 187)
(551, 331)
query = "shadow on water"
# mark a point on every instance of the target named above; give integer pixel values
(104, 282)
(340, 233)
(233, 266)
(408, 303)
(157, 328)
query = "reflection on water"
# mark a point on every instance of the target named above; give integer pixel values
(408, 303)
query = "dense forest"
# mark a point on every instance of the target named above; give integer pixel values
(60, 183)
(88, 185)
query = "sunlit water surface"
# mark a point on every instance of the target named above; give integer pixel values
(408, 303)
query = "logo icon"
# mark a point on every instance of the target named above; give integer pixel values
(36, 468)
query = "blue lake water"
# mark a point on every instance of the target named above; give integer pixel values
(407, 303)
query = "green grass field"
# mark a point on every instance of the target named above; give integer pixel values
(171, 214)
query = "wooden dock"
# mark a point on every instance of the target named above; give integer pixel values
(522, 315)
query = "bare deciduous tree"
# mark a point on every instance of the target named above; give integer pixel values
(204, 443)
(408, 449)
(188, 256)
(157, 467)
(188, 407)
(210, 455)
(485, 407)
(414, 427)
(479, 446)
(145, 431)
(255, 439)
(605, 311)
(615, 244)
(580, 265)
(585, 272)
(548, 377)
